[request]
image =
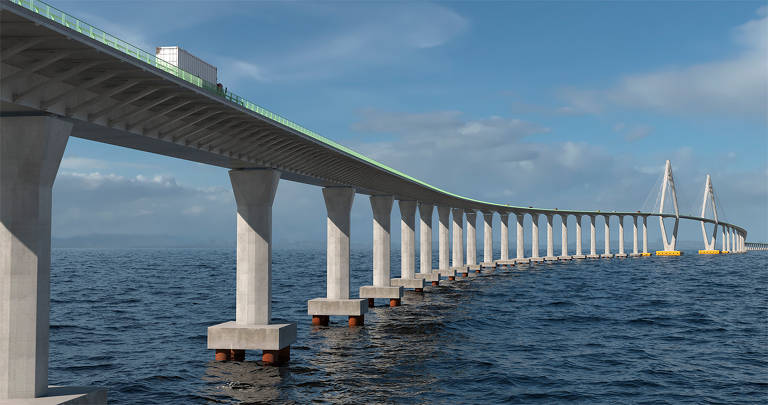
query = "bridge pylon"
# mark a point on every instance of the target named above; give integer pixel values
(668, 184)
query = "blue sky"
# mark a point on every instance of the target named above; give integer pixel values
(553, 104)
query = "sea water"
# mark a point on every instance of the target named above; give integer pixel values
(690, 329)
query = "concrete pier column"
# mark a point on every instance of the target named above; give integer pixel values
(488, 238)
(520, 236)
(645, 234)
(607, 237)
(592, 238)
(407, 238)
(443, 216)
(338, 204)
(30, 153)
(381, 205)
(621, 237)
(535, 235)
(579, 253)
(634, 236)
(443, 263)
(733, 240)
(564, 237)
(471, 237)
(722, 238)
(408, 248)
(504, 236)
(550, 239)
(425, 244)
(254, 191)
(458, 237)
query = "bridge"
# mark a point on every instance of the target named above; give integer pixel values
(62, 77)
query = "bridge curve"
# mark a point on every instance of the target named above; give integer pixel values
(190, 118)
(62, 77)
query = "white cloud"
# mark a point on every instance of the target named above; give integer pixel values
(735, 86)
(106, 203)
(509, 161)
(375, 34)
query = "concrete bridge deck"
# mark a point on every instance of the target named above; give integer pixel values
(62, 77)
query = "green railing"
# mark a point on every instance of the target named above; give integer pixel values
(75, 24)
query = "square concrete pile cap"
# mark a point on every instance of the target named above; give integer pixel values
(331, 306)
(447, 272)
(408, 282)
(431, 276)
(231, 335)
(370, 291)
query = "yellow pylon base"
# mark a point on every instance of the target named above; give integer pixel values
(722, 252)
(668, 253)
(645, 254)
(709, 252)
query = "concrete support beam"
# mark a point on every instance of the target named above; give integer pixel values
(252, 329)
(425, 238)
(408, 247)
(338, 204)
(520, 236)
(254, 193)
(487, 238)
(579, 254)
(731, 240)
(564, 238)
(407, 239)
(722, 239)
(425, 245)
(381, 205)
(471, 237)
(504, 236)
(534, 235)
(443, 216)
(592, 238)
(30, 153)
(621, 237)
(645, 235)
(634, 236)
(607, 238)
(550, 239)
(458, 237)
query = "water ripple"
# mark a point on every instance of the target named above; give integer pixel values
(641, 331)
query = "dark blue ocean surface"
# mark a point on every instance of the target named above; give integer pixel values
(692, 329)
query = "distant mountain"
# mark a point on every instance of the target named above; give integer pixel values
(138, 241)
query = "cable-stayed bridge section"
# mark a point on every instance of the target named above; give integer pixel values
(61, 77)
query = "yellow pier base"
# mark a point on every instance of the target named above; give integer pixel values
(722, 252)
(668, 253)
(645, 254)
(709, 252)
